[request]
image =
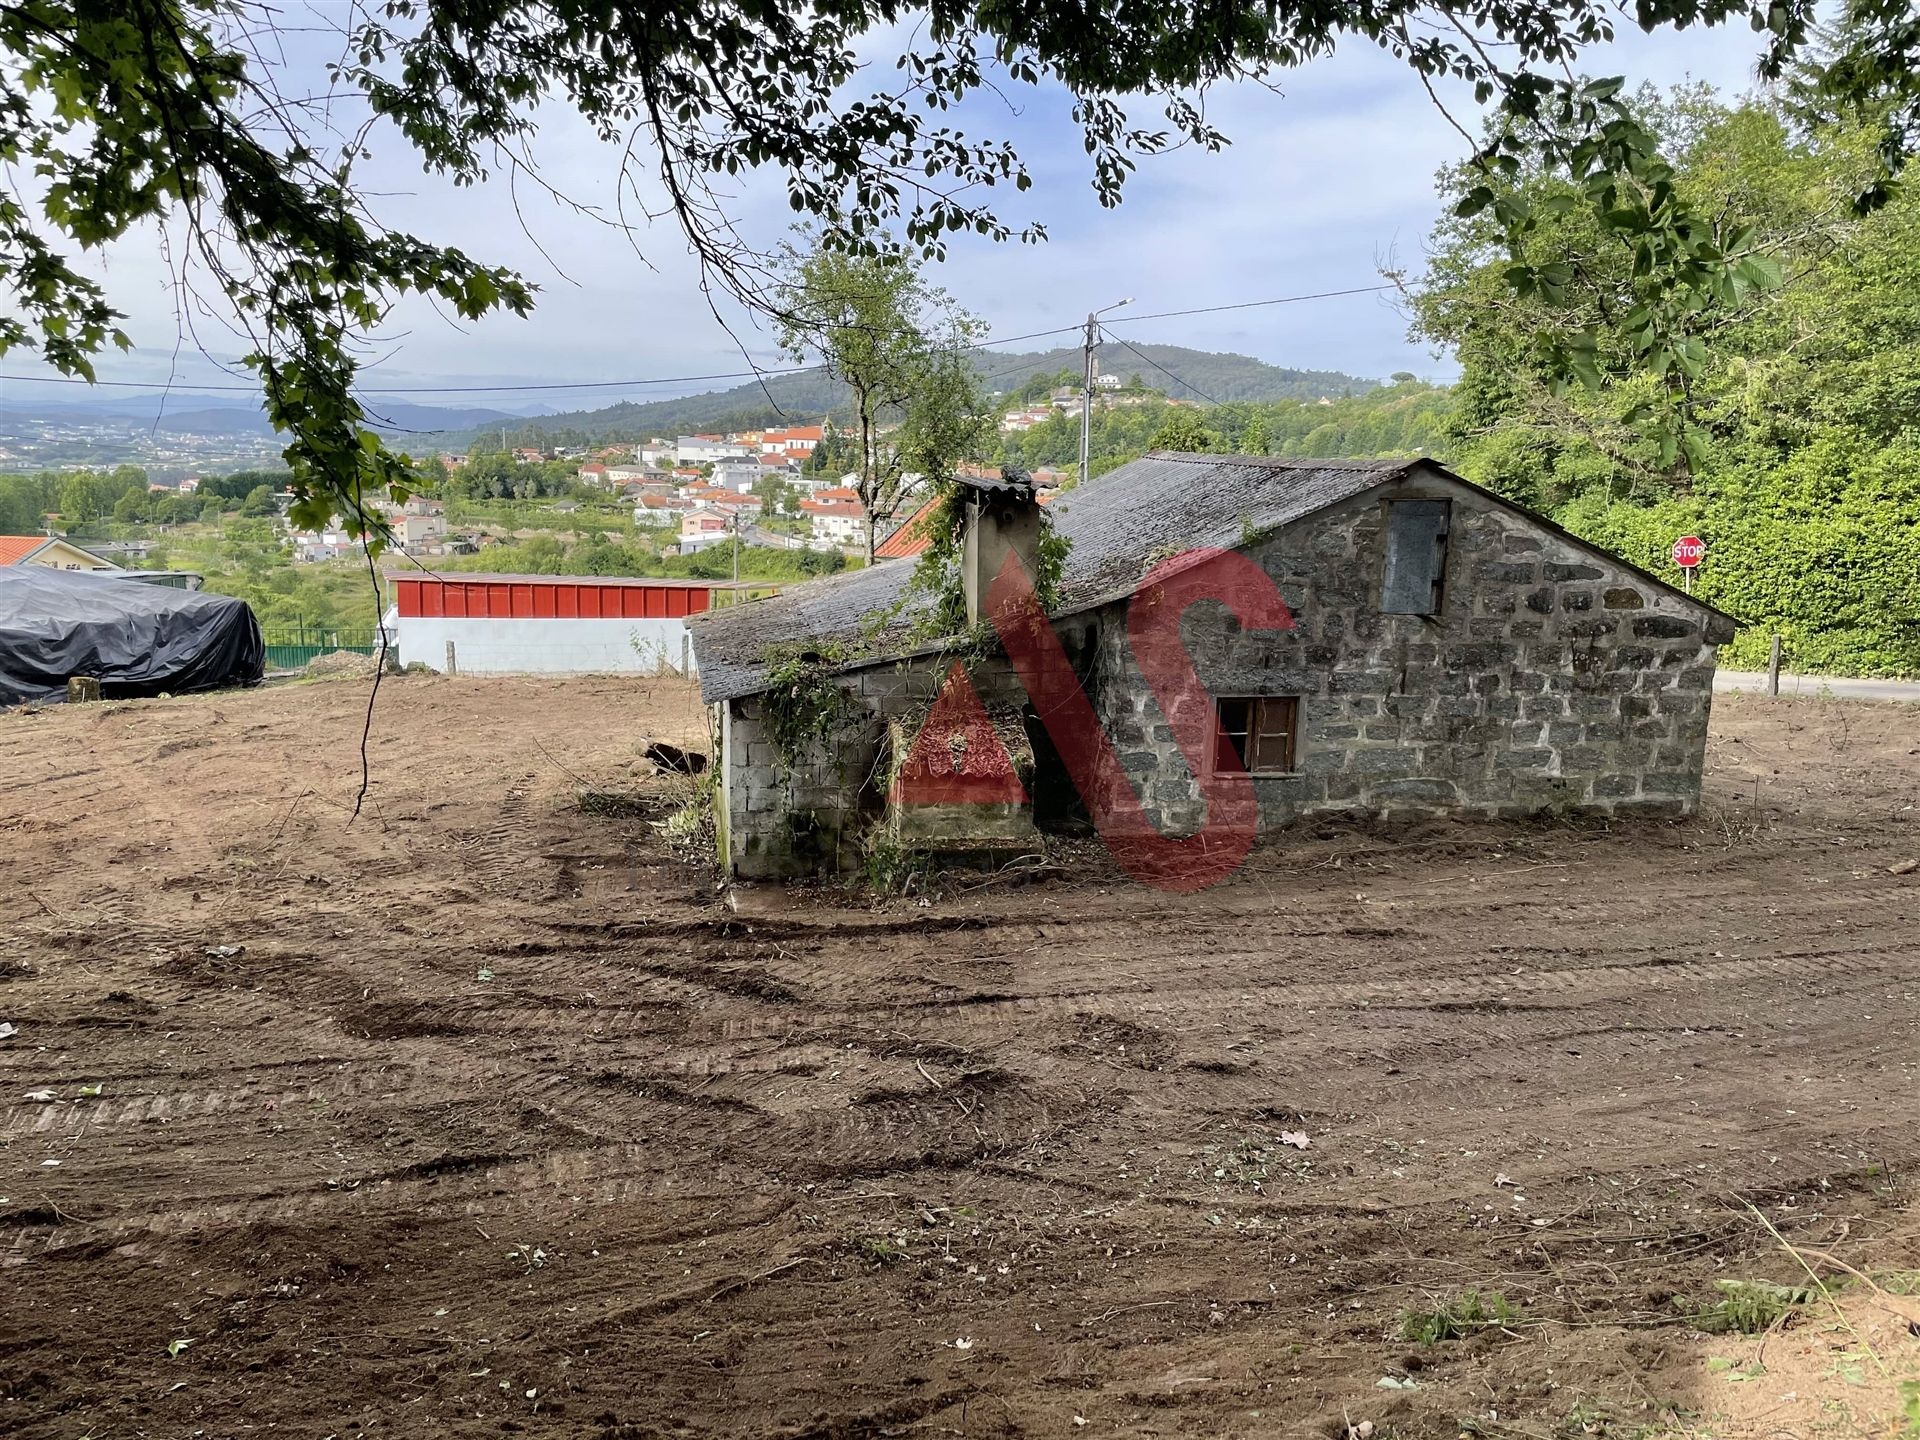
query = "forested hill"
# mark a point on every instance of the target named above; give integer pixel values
(808, 395)
(1178, 372)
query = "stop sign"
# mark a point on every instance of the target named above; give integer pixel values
(1688, 551)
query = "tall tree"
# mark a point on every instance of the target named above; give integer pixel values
(904, 351)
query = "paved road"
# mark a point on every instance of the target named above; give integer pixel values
(1755, 682)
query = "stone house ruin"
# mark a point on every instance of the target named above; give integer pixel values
(1442, 650)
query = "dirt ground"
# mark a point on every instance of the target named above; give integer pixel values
(486, 1113)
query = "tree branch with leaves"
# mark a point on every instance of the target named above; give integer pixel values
(166, 112)
(903, 349)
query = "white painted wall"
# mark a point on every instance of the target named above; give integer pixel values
(546, 647)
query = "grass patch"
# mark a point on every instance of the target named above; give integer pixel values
(878, 1249)
(891, 868)
(1454, 1319)
(1748, 1307)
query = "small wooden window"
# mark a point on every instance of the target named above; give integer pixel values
(1257, 734)
(1416, 557)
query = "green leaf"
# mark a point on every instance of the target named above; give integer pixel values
(1474, 201)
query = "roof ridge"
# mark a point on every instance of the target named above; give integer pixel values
(1288, 462)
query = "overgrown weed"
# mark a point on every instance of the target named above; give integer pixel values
(1464, 1314)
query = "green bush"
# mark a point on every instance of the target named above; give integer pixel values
(1822, 548)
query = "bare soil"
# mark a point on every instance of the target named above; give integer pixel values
(486, 1113)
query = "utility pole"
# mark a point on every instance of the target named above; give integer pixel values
(1086, 383)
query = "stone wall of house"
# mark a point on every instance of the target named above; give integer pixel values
(1550, 678)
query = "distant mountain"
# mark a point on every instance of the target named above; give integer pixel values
(807, 395)
(1219, 376)
(1182, 373)
(187, 412)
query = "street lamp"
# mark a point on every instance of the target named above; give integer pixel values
(1086, 384)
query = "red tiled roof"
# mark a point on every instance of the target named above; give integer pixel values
(15, 548)
(913, 536)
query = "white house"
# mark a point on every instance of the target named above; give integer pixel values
(836, 522)
(414, 531)
(796, 441)
(705, 449)
(740, 475)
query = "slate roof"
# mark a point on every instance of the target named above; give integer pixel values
(1120, 526)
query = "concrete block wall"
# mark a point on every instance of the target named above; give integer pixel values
(1550, 678)
(813, 813)
(550, 646)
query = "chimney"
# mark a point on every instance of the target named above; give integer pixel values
(998, 518)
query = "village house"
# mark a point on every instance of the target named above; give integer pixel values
(413, 533)
(835, 516)
(1443, 651)
(312, 546)
(793, 441)
(1015, 422)
(736, 475)
(703, 527)
(705, 449)
(50, 552)
(656, 509)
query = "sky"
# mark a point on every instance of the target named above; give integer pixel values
(1323, 185)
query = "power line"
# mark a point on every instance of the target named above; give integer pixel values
(526, 388)
(1249, 304)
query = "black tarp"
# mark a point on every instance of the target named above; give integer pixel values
(135, 639)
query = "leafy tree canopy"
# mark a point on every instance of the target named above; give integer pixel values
(1780, 425)
(157, 110)
(1183, 429)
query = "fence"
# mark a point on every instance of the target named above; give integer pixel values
(291, 646)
